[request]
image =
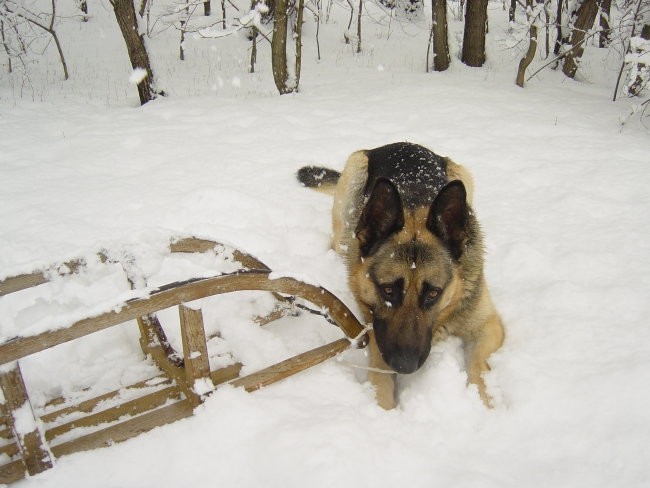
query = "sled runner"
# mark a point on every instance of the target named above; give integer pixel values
(29, 443)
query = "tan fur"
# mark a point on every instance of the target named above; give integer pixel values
(474, 320)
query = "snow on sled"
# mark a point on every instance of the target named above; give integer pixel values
(30, 441)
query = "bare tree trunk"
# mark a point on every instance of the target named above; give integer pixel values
(281, 75)
(223, 14)
(560, 38)
(474, 35)
(440, 42)
(4, 43)
(279, 47)
(605, 9)
(638, 84)
(181, 45)
(128, 23)
(298, 35)
(347, 33)
(318, 21)
(511, 10)
(83, 6)
(359, 26)
(253, 51)
(207, 8)
(547, 28)
(532, 45)
(584, 21)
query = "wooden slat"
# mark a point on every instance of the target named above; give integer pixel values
(30, 444)
(28, 280)
(21, 282)
(195, 349)
(90, 404)
(126, 430)
(112, 414)
(291, 366)
(9, 449)
(152, 333)
(12, 471)
(225, 374)
(194, 244)
(177, 293)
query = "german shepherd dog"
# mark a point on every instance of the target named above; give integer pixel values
(403, 222)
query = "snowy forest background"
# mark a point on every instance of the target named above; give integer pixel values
(181, 45)
(93, 157)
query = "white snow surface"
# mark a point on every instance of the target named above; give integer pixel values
(560, 189)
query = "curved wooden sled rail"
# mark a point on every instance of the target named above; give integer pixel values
(186, 378)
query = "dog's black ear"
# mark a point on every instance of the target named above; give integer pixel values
(448, 217)
(382, 216)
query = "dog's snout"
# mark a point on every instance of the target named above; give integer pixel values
(404, 362)
(404, 348)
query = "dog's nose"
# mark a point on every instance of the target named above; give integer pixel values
(405, 362)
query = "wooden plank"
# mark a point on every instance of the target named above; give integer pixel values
(152, 333)
(177, 293)
(218, 376)
(291, 366)
(20, 282)
(131, 408)
(9, 449)
(125, 430)
(225, 374)
(17, 405)
(194, 244)
(195, 349)
(12, 471)
(89, 405)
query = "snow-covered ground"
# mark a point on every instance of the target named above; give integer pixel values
(561, 191)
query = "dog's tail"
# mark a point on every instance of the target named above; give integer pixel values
(319, 178)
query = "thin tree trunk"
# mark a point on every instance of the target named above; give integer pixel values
(207, 8)
(56, 41)
(440, 42)
(279, 47)
(4, 43)
(83, 6)
(298, 31)
(128, 23)
(584, 21)
(181, 47)
(638, 84)
(532, 46)
(547, 28)
(560, 38)
(253, 51)
(474, 35)
(318, 21)
(223, 14)
(359, 26)
(605, 9)
(511, 10)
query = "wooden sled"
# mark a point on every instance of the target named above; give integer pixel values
(28, 443)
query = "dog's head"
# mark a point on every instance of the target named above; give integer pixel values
(409, 274)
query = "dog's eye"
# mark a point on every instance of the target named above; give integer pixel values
(430, 296)
(391, 292)
(388, 290)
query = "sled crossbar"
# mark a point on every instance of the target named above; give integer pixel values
(64, 428)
